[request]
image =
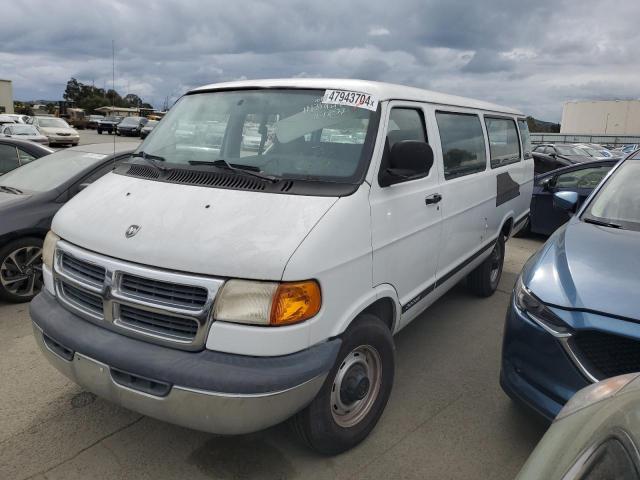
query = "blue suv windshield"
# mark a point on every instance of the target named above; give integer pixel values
(618, 202)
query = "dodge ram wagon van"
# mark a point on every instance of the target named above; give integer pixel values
(253, 259)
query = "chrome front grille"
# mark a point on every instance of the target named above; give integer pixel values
(82, 299)
(187, 296)
(158, 323)
(83, 270)
(156, 305)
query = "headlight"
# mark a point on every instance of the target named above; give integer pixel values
(49, 248)
(595, 393)
(538, 311)
(267, 303)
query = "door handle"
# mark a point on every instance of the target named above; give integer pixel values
(433, 199)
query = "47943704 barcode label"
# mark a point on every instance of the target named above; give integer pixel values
(351, 99)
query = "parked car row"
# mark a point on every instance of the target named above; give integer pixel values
(125, 126)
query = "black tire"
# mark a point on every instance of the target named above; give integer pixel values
(316, 425)
(16, 261)
(525, 231)
(99, 132)
(484, 280)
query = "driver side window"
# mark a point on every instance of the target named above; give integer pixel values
(584, 178)
(405, 124)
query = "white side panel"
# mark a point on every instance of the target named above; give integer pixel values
(468, 207)
(406, 232)
(337, 252)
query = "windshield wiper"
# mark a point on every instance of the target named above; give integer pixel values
(243, 169)
(601, 223)
(152, 160)
(13, 190)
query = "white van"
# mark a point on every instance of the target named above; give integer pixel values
(227, 284)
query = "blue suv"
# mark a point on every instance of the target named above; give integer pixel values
(574, 315)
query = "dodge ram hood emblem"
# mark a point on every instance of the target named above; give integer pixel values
(132, 230)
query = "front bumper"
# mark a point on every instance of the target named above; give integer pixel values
(210, 391)
(536, 369)
(128, 131)
(74, 139)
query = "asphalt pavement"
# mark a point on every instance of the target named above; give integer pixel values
(447, 417)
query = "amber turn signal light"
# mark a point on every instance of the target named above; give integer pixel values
(295, 302)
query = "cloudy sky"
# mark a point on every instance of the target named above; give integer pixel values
(532, 55)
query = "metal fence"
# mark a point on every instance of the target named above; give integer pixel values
(601, 139)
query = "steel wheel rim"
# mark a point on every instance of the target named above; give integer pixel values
(349, 414)
(496, 264)
(21, 271)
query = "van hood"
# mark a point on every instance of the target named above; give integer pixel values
(588, 267)
(211, 231)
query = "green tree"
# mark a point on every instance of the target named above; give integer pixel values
(72, 92)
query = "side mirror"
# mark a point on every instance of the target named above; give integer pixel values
(408, 160)
(552, 154)
(567, 201)
(547, 184)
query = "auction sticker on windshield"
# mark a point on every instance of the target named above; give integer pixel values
(351, 99)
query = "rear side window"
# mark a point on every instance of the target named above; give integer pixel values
(526, 138)
(8, 158)
(463, 146)
(503, 141)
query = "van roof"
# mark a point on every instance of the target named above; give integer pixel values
(382, 91)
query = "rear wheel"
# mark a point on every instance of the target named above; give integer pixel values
(525, 231)
(21, 269)
(484, 280)
(99, 132)
(355, 391)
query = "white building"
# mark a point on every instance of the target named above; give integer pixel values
(6, 96)
(610, 117)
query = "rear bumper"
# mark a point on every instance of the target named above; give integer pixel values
(209, 391)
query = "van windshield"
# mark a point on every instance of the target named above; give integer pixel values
(283, 133)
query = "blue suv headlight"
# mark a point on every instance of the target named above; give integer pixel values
(528, 303)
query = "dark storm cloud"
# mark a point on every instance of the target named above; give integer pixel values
(531, 55)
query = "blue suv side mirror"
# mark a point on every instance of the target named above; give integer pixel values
(567, 201)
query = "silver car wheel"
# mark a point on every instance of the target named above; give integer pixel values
(356, 386)
(21, 271)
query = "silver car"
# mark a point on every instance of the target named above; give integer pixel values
(595, 436)
(24, 132)
(56, 129)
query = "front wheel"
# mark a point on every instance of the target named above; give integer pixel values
(99, 132)
(484, 280)
(355, 391)
(21, 269)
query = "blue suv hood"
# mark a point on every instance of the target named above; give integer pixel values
(588, 267)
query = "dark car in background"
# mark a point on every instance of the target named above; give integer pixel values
(543, 163)
(108, 124)
(131, 126)
(574, 316)
(15, 152)
(146, 130)
(581, 178)
(562, 150)
(29, 198)
(93, 120)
